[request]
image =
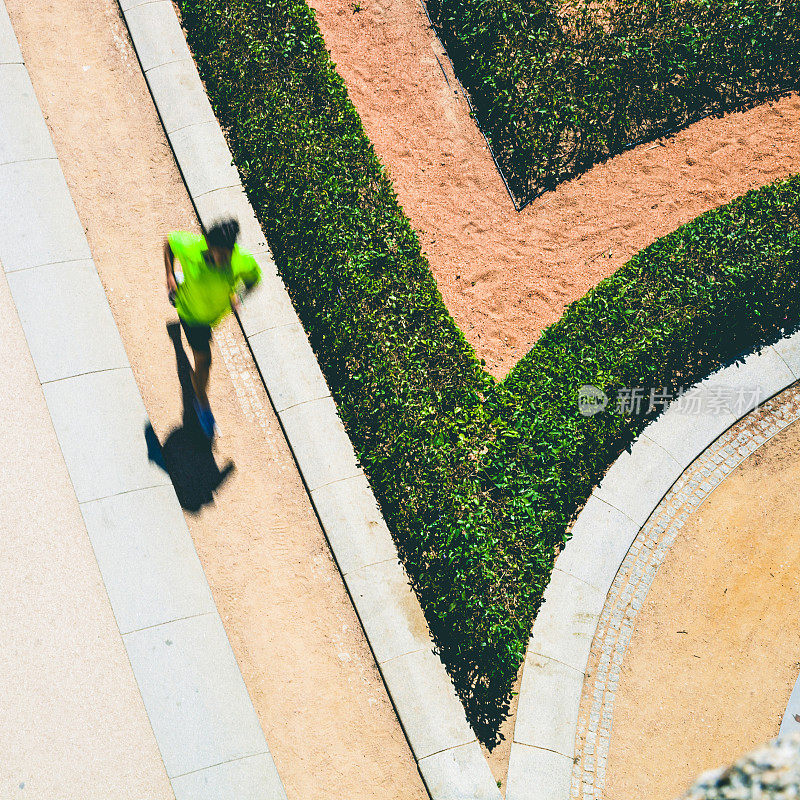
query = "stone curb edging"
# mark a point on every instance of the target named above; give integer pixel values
(638, 571)
(446, 749)
(543, 749)
(206, 728)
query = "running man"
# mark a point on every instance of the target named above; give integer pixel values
(213, 269)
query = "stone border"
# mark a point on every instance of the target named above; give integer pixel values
(543, 756)
(446, 749)
(206, 728)
(638, 570)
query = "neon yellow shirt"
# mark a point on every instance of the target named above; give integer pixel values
(204, 294)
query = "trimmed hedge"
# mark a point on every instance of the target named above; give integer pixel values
(558, 86)
(477, 480)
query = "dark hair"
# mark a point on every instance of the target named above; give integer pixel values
(223, 233)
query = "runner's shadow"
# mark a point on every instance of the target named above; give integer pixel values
(186, 454)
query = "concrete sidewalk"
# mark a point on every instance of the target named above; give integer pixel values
(74, 725)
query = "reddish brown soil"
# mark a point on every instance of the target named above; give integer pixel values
(504, 275)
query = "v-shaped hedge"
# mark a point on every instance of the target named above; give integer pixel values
(477, 479)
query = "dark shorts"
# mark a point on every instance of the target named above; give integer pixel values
(198, 336)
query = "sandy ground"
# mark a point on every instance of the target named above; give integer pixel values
(716, 647)
(504, 275)
(305, 660)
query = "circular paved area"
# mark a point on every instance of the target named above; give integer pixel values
(595, 739)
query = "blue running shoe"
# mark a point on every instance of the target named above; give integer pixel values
(205, 418)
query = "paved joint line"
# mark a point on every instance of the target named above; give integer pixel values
(81, 374)
(167, 622)
(124, 491)
(230, 760)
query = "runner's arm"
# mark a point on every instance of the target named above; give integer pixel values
(169, 264)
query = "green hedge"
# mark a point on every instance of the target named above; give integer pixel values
(558, 86)
(477, 480)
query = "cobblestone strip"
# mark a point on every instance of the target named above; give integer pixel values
(629, 588)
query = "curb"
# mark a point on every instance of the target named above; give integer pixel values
(543, 749)
(446, 750)
(206, 728)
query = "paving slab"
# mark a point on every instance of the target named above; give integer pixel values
(788, 349)
(204, 158)
(267, 305)
(288, 366)
(9, 46)
(601, 536)
(686, 435)
(100, 422)
(353, 524)
(182, 100)
(388, 610)
(156, 34)
(537, 774)
(648, 467)
(319, 442)
(789, 724)
(34, 197)
(549, 700)
(751, 381)
(23, 132)
(232, 201)
(66, 303)
(194, 694)
(566, 621)
(145, 552)
(252, 778)
(429, 709)
(460, 773)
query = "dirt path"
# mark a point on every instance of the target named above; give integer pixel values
(716, 646)
(302, 652)
(506, 275)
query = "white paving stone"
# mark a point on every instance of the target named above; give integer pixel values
(267, 306)
(194, 694)
(23, 131)
(67, 320)
(536, 774)
(353, 524)
(9, 47)
(179, 95)
(788, 348)
(789, 724)
(204, 158)
(460, 773)
(156, 34)
(100, 422)
(252, 778)
(549, 700)
(566, 621)
(601, 536)
(429, 709)
(648, 468)
(319, 442)
(388, 610)
(147, 558)
(34, 198)
(288, 366)
(232, 202)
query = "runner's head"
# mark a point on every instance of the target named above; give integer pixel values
(221, 239)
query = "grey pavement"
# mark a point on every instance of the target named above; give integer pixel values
(148, 655)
